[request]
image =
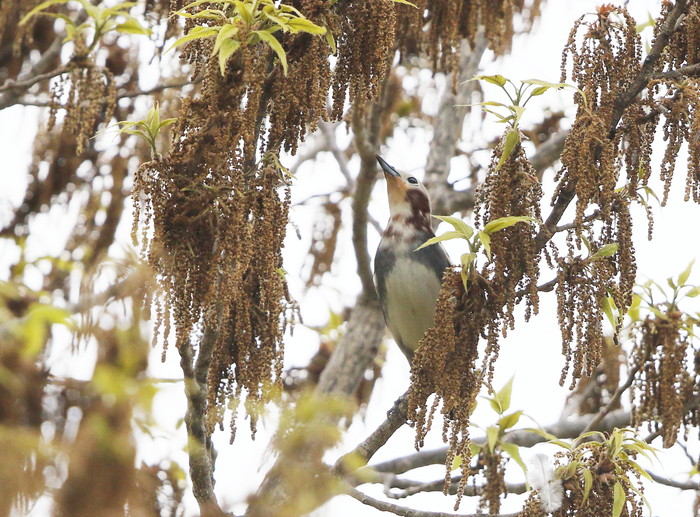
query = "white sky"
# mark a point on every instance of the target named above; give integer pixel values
(531, 352)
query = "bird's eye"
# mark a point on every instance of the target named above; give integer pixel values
(412, 181)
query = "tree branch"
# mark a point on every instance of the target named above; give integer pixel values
(407, 512)
(448, 131)
(395, 418)
(684, 71)
(524, 438)
(683, 485)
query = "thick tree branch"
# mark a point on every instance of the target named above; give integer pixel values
(448, 131)
(407, 512)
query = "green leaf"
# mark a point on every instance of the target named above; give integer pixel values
(40, 7)
(304, 25)
(245, 11)
(503, 395)
(405, 2)
(509, 421)
(331, 42)
(195, 33)
(610, 309)
(132, 26)
(467, 260)
(619, 499)
(541, 432)
(498, 80)
(227, 31)
(274, 45)
(513, 451)
(474, 448)
(485, 240)
(633, 310)
(444, 237)
(606, 251)
(512, 139)
(692, 293)
(561, 443)
(587, 484)
(539, 91)
(539, 82)
(504, 222)
(683, 277)
(228, 47)
(492, 433)
(459, 225)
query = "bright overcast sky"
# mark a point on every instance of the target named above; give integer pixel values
(531, 353)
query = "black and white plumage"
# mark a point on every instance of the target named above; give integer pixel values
(408, 281)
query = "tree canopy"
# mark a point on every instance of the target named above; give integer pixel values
(172, 148)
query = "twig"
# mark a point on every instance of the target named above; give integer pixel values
(683, 71)
(407, 512)
(159, 88)
(38, 72)
(613, 400)
(683, 485)
(438, 485)
(395, 418)
(650, 62)
(328, 131)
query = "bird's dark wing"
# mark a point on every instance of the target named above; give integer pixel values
(433, 256)
(384, 262)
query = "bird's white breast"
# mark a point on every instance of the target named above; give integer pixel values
(412, 289)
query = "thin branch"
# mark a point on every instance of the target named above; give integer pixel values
(683, 485)
(684, 71)
(410, 488)
(407, 512)
(328, 131)
(158, 88)
(395, 418)
(614, 400)
(564, 429)
(38, 72)
(447, 131)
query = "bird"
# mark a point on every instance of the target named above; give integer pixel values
(408, 281)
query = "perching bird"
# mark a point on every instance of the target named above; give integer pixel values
(408, 281)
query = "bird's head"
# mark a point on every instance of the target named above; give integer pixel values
(409, 202)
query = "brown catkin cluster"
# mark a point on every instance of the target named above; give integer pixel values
(365, 50)
(494, 471)
(664, 383)
(676, 96)
(448, 22)
(605, 62)
(605, 471)
(581, 286)
(91, 98)
(216, 213)
(446, 365)
(511, 190)
(679, 105)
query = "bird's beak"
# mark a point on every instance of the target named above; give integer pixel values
(388, 169)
